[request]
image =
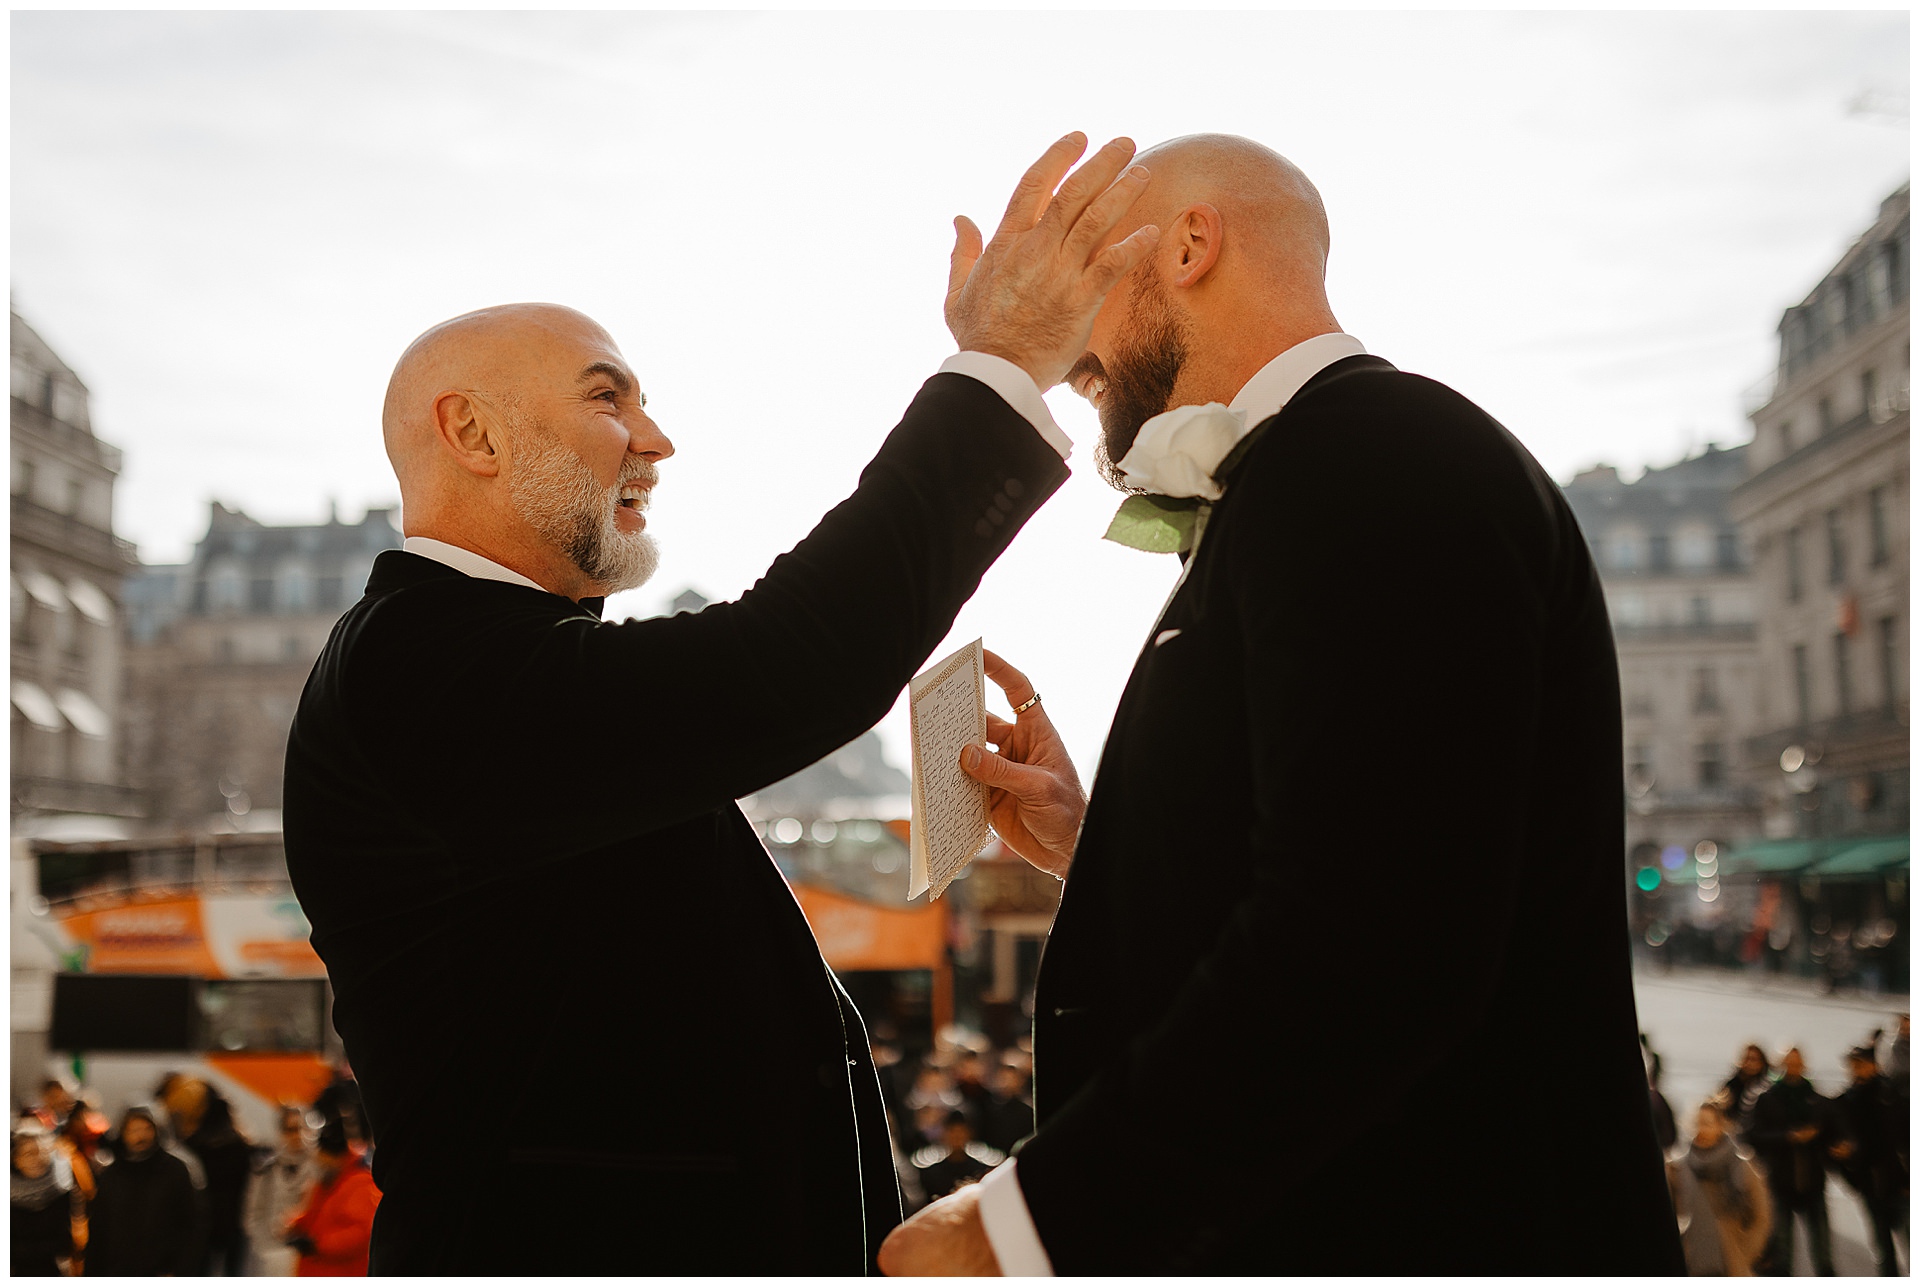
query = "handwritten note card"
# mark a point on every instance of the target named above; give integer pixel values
(947, 708)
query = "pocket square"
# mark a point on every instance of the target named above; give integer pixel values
(1163, 636)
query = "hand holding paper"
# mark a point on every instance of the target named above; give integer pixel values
(1034, 799)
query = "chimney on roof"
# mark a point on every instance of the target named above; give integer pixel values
(1597, 475)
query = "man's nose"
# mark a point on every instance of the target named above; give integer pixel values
(645, 439)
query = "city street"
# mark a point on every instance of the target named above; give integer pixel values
(1700, 1021)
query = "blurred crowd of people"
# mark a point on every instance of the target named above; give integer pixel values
(176, 1187)
(957, 1110)
(1754, 1170)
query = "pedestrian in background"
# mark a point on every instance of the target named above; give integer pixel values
(75, 1146)
(279, 1190)
(958, 1160)
(1870, 1154)
(334, 1229)
(1009, 1112)
(1721, 1199)
(1744, 1088)
(41, 1230)
(146, 1219)
(203, 1117)
(1792, 1130)
(1665, 1130)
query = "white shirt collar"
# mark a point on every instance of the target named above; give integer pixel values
(467, 561)
(1274, 384)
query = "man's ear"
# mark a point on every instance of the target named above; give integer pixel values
(463, 427)
(1194, 237)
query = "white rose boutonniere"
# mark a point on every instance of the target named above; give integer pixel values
(1173, 461)
(1177, 451)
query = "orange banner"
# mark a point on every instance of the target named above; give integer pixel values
(166, 936)
(856, 935)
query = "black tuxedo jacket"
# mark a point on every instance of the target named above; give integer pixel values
(593, 1029)
(1348, 895)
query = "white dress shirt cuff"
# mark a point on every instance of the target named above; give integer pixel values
(1009, 1225)
(1016, 388)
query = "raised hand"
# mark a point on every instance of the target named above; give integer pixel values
(1034, 799)
(1030, 295)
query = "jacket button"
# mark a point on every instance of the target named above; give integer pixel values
(983, 528)
(1013, 488)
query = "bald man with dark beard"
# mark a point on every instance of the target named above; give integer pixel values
(512, 824)
(1351, 869)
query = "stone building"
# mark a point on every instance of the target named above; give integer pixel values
(220, 648)
(67, 569)
(1679, 591)
(1824, 511)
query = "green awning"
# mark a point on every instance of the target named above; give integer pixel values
(1865, 857)
(1771, 856)
(1755, 857)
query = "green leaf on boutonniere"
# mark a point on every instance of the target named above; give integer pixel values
(1156, 524)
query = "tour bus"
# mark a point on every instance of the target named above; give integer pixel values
(181, 955)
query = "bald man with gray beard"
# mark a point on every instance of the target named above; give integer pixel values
(512, 823)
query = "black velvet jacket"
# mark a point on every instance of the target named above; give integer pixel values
(592, 1027)
(1349, 891)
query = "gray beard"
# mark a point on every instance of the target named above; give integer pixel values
(558, 496)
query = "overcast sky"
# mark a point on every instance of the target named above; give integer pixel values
(231, 224)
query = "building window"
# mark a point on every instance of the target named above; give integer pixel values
(226, 588)
(1727, 545)
(1638, 703)
(1889, 665)
(1826, 415)
(1706, 690)
(260, 594)
(1793, 564)
(1623, 548)
(23, 477)
(1802, 686)
(1786, 437)
(1701, 610)
(1869, 392)
(1640, 763)
(1879, 291)
(1657, 557)
(76, 493)
(1877, 525)
(1694, 548)
(1712, 764)
(296, 587)
(1842, 676)
(1836, 549)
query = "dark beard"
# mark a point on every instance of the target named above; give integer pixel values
(1146, 365)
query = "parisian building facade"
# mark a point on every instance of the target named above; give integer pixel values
(65, 639)
(219, 650)
(1680, 594)
(1824, 510)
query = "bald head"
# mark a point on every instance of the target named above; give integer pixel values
(1238, 276)
(1275, 221)
(519, 433)
(497, 352)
